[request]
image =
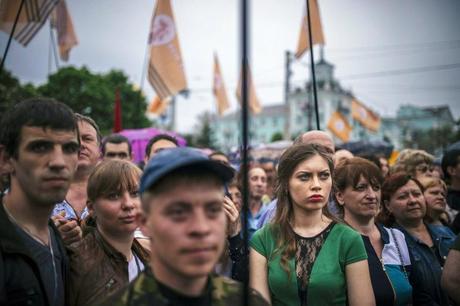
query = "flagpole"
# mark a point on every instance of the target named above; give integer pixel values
(287, 86)
(245, 139)
(312, 63)
(54, 48)
(5, 53)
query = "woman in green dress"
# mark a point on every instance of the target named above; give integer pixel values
(304, 256)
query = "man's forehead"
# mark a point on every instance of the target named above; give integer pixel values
(123, 146)
(30, 133)
(86, 128)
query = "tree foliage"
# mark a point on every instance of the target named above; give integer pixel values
(276, 137)
(85, 92)
(204, 137)
(94, 95)
(434, 140)
(11, 91)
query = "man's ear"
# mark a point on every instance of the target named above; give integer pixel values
(5, 161)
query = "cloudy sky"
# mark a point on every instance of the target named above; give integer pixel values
(388, 52)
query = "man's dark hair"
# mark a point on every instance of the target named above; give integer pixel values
(450, 159)
(91, 122)
(157, 138)
(34, 112)
(117, 139)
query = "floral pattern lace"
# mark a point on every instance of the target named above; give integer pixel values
(308, 249)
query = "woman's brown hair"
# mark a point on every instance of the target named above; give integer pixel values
(112, 176)
(348, 173)
(391, 184)
(289, 160)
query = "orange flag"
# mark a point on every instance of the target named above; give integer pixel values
(166, 69)
(62, 21)
(157, 106)
(339, 126)
(218, 88)
(316, 30)
(33, 15)
(365, 116)
(254, 104)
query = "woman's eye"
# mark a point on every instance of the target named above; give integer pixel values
(324, 175)
(113, 196)
(135, 193)
(304, 177)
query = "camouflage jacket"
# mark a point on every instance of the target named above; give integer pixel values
(144, 291)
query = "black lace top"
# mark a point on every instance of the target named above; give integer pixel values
(307, 250)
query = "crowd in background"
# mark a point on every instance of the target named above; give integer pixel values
(81, 224)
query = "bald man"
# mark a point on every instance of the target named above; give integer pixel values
(317, 137)
(311, 137)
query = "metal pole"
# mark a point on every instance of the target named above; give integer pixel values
(287, 105)
(312, 63)
(245, 139)
(11, 35)
(54, 48)
(173, 114)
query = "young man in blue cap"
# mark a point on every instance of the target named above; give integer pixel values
(182, 193)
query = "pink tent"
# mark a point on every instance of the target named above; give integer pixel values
(140, 137)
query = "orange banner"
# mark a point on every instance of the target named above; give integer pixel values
(316, 33)
(254, 104)
(365, 116)
(157, 106)
(166, 69)
(218, 88)
(62, 21)
(339, 126)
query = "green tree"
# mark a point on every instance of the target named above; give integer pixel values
(434, 140)
(277, 136)
(205, 136)
(94, 95)
(12, 92)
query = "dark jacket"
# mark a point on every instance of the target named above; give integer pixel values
(20, 280)
(98, 270)
(427, 266)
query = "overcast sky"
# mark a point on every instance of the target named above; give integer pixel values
(388, 52)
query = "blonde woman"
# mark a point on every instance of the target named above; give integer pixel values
(305, 257)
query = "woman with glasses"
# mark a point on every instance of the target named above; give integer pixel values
(358, 185)
(416, 163)
(304, 256)
(404, 208)
(108, 257)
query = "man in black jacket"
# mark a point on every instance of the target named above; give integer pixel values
(39, 149)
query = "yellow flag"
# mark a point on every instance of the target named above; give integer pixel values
(339, 126)
(218, 88)
(317, 36)
(254, 104)
(365, 116)
(67, 39)
(166, 69)
(34, 14)
(157, 106)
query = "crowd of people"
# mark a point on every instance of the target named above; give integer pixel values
(81, 224)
